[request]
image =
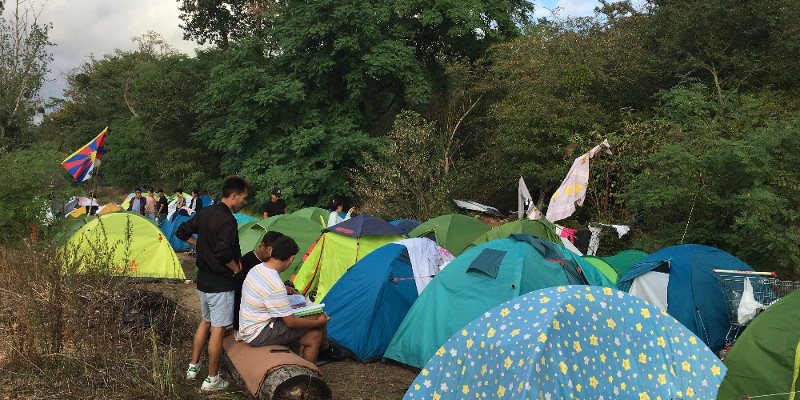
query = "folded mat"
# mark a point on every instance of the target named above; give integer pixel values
(255, 363)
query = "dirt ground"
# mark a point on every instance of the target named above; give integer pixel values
(348, 379)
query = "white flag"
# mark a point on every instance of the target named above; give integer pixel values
(572, 191)
(524, 198)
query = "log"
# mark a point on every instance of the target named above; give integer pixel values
(287, 378)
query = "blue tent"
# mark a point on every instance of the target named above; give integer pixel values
(479, 279)
(680, 280)
(407, 225)
(206, 201)
(364, 224)
(369, 301)
(170, 226)
(242, 218)
(574, 342)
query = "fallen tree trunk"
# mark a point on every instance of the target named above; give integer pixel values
(273, 372)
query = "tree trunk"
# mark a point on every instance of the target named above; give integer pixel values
(290, 382)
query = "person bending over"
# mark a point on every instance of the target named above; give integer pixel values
(266, 316)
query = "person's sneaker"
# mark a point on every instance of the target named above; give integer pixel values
(220, 384)
(191, 373)
(332, 353)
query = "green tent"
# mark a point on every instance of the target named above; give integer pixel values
(541, 228)
(454, 232)
(603, 266)
(302, 230)
(316, 214)
(765, 360)
(623, 260)
(132, 245)
(481, 278)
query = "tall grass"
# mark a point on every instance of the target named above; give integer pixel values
(87, 334)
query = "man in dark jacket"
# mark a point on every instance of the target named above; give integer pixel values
(137, 203)
(218, 260)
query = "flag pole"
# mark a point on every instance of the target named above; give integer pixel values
(96, 176)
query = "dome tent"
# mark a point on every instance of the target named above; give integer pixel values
(681, 281)
(571, 343)
(302, 230)
(454, 232)
(339, 247)
(136, 247)
(480, 279)
(368, 303)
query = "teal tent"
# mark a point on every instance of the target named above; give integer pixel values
(480, 279)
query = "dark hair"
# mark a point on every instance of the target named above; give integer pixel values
(283, 248)
(270, 237)
(234, 184)
(160, 190)
(335, 203)
(137, 189)
(196, 191)
(179, 190)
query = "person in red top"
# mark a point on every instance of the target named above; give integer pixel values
(218, 261)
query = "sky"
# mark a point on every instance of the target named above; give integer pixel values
(97, 27)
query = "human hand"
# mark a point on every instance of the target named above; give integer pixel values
(323, 319)
(291, 290)
(351, 210)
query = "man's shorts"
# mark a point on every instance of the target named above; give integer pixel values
(217, 308)
(277, 333)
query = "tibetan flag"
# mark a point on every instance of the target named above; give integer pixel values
(81, 163)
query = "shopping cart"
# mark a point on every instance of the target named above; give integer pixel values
(747, 293)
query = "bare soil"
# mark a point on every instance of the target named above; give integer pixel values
(348, 379)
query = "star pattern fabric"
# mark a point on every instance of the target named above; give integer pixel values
(572, 342)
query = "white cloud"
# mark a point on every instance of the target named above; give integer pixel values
(98, 27)
(568, 8)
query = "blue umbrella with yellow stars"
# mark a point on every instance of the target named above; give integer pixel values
(572, 342)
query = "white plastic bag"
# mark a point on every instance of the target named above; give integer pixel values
(748, 305)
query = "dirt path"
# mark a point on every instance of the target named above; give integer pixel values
(348, 379)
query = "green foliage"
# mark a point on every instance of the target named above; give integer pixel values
(566, 85)
(729, 188)
(24, 189)
(405, 178)
(729, 44)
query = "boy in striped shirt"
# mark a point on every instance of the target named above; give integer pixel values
(265, 316)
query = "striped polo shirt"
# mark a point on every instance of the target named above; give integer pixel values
(263, 298)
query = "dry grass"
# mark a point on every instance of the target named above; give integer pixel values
(65, 335)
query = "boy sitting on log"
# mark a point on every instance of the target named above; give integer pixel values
(266, 316)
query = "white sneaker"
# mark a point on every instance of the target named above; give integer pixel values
(220, 384)
(191, 373)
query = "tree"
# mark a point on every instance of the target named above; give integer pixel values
(24, 188)
(726, 179)
(23, 64)
(728, 44)
(220, 22)
(405, 178)
(566, 85)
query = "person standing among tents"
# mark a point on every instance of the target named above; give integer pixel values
(150, 205)
(267, 317)
(162, 207)
(218, 261)
(195, 203)
(275, 205)
(336, 213)
(138, 202)
(250, 260)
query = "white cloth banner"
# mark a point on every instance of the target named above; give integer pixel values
(572, 191)
(426, 260)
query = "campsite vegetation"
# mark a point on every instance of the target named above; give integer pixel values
(401, 106)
